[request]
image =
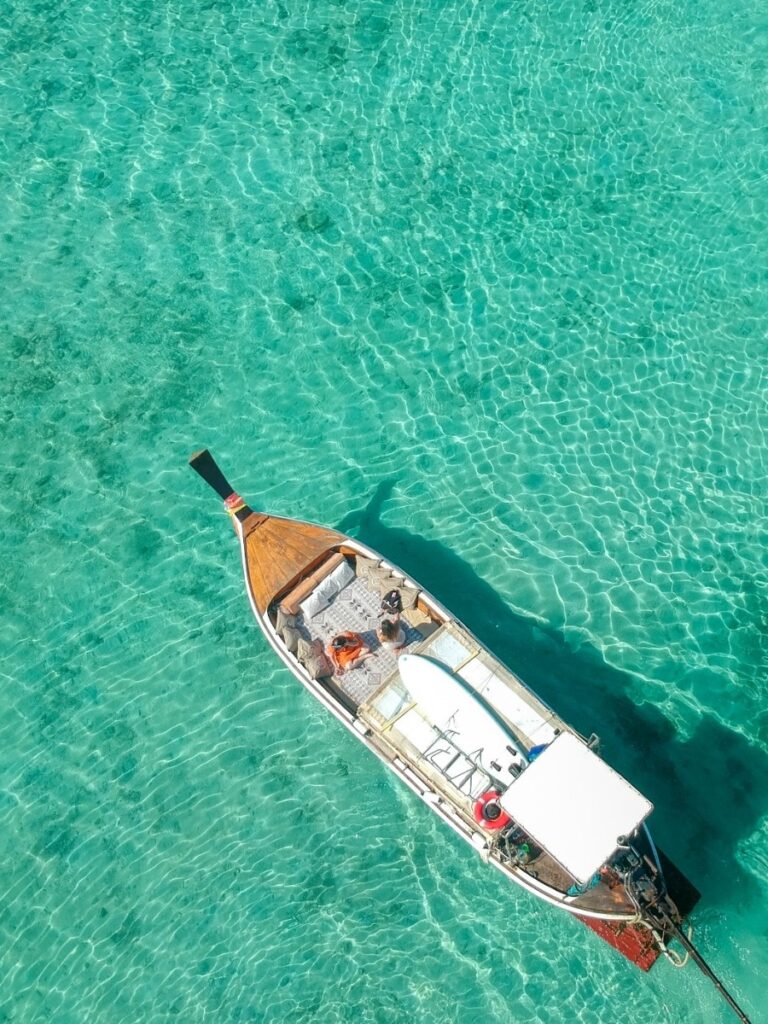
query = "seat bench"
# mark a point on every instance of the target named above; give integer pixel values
(289, 604)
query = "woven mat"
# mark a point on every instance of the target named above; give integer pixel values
(356, 608)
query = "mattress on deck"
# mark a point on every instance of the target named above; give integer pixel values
(357, 608)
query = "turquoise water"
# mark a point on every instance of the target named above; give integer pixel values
(483, 284)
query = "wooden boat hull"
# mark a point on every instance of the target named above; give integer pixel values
(278, 554)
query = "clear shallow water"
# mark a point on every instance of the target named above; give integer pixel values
(486, 287)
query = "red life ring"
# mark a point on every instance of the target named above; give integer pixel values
(481, 818)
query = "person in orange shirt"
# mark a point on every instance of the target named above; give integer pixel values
(347, 650)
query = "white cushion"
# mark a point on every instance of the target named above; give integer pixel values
(315, 603)
(339, 578)
(327, 589)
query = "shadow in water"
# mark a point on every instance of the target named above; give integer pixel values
(709, 791)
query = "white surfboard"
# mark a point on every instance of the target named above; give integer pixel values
(467, 721)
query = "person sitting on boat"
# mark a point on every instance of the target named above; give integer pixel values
(391, 635)
(391, 605)
(348, 650)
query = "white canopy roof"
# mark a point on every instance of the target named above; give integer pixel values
(575, 806)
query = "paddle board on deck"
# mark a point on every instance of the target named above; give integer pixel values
(468, 722)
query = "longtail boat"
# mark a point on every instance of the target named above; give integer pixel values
(529, 794)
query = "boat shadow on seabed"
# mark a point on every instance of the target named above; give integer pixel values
(709, 790)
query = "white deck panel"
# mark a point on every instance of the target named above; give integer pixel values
(416, 729)
(508, 703)
(390, 702)
(575, 806)
(450, 649)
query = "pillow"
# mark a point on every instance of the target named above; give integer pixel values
(416, 617)
(308, 648)
(378, 575)
(291, 638)
(339, 578)
(327, 589)
(283, 620)
(314, 604)
(319, 667)
(314, 659)
(363, 566)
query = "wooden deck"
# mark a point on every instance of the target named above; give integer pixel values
(279, 551)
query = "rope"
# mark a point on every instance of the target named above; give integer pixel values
(674, 958)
